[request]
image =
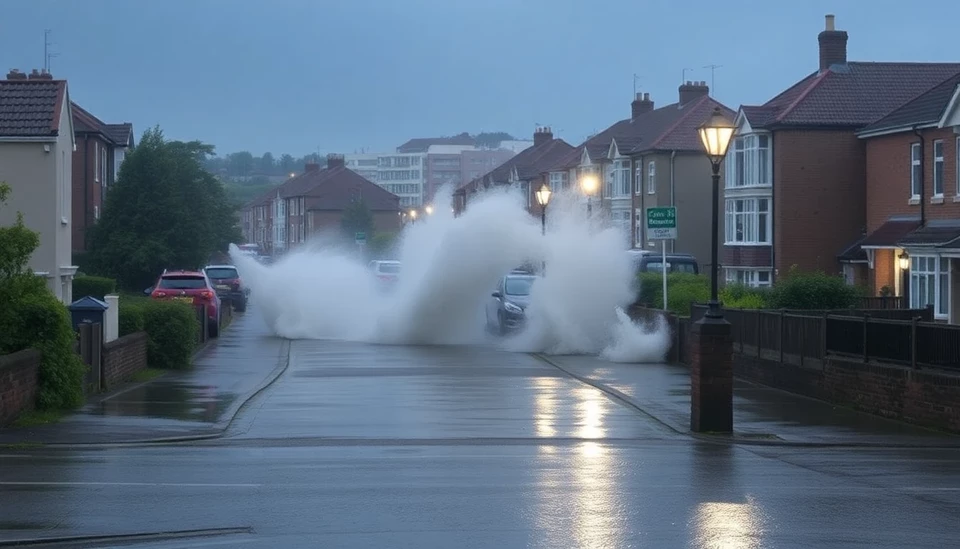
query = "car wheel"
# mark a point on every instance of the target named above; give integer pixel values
(501, 324)
(240, 306)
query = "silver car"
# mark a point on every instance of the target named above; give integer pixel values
(506, 309)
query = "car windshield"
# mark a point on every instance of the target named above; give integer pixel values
(220, 273)
(518, 285)
(684, 267)
(389, 268)
(182, 283)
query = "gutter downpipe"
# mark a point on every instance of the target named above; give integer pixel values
(923, 208)
(673, 200)
(86, 187)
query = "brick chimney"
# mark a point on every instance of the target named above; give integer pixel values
(640, 105)
(541, 136)
(311, 167)
(833, 45)
(335, 161)
(15, 74)
(40, 75)
(690, 91)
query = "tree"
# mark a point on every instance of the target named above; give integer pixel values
(491, 140)
(240, 164)
(165, 211)
(357, 218)
(17, 242)
(267, 163)
(287, 164)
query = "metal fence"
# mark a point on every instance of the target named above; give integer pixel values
(876, 335)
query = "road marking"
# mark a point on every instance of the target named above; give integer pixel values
(149, 484)
(930, 489)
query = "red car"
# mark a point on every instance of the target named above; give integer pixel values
(191, 287)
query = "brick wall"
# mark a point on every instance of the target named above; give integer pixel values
(18, 383)
(123, 358)
(819, 199)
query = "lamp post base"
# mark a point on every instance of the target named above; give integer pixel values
(711, 376)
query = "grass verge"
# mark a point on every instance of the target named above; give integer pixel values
(38, 417)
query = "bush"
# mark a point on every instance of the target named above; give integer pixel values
(813, 291)
(739, 296)
(682, 290)
(94, 286)
(172, 329)
(32, 317)
(130, 317)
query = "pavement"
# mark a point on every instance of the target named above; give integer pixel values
(373, 446)
(199, 402)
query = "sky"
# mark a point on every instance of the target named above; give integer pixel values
(332, 76)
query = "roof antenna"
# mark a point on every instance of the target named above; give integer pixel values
(683, 75)
(713, 72)
(47, 54)
(635, 78)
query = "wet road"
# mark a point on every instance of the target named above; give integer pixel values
(370, 446)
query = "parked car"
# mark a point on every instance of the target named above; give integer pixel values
(387, 272)
(227, 282)
(506, 310)
(652, 262)
(191, 287)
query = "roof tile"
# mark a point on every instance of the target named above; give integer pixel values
(30, 108)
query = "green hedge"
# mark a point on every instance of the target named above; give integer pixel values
(32, 317)
(172, 329)
(739, 296)
(813, 291)
(130, 316)
(682, 290)
(94, 286)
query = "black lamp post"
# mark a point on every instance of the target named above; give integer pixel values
(589, 185)
(904, 260)
(711, 364)
(715, 134)
(543, 198)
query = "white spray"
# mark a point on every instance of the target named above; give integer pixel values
(449, 267)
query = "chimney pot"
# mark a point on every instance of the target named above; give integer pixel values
(692, 91)
(833, 45)
(541, 136)
(335, 161)
(15, 74)
(830, 22)
(642, 104)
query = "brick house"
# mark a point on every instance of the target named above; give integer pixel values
(313, 202)
(796, 171)
(96, 162)
(526, 171)
(913, 201)
(654, 158)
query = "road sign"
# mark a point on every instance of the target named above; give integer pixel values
(662, 223)
(361, 237)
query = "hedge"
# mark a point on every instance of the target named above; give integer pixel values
(682, 290)
(32, 317)
(94, 286)
(130, 316)
(172, 329)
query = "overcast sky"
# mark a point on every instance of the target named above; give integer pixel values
(301, 75)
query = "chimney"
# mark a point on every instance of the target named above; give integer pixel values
(335, 161)
(15, 74)
(833, 45)
(541, 136)
(311, 167)
(691, 91)
(640, 105)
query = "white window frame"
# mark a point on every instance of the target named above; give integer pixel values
(749, 162)
(755, 278)
(558, 181)
(96, 161)
(938, 163)
(915, 168)
(96, 212)
(752, 219)
(932, 272)
(638, 175)
(618, 179)
(638, 230)
(103, 167)
(652, 177)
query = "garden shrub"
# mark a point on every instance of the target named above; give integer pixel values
(130, 316)
(93, 286)
(682, 290)
(32, 317)
(813, 291)
(739, 296)
(172, 329)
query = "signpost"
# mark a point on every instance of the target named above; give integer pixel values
(361, 239)
(662, 226)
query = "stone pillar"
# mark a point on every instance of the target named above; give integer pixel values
(711, 376)
(111, 318)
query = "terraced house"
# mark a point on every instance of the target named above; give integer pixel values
(796, 173)
(912, 245)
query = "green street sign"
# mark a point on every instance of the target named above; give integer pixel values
(662, 223)
(361, 237)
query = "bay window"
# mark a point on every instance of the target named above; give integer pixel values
(930, 284)
(749, 162)
(916, 171)
(747, 221)
(618, 179)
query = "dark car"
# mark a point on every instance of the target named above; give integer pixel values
(506, 310)
(652, 262)
(191, 287)
(226, 280)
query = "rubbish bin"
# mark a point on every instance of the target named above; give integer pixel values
(87, 310)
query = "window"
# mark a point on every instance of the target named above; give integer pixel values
(96, 161)
(747, 221)
(103, 166)
(930, 284)
(651, 178)
(916, 171)
(956, 164)
(96, 212)
(66, 194)
(638, 175)
(301, 232)
(938, 168)
(638, 220)
(748, 162)
(618, 179)
(748, 277)
(621, 220)
(558, 181)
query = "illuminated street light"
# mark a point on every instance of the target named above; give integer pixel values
(543, 198)
(429, 209)
(589, 184)
(904, 261)
(413, 215)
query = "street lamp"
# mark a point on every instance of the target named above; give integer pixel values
(904, 261)
(543, 198)
(589, 184)
(429, 209)
(413, 216)
(715, 134)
